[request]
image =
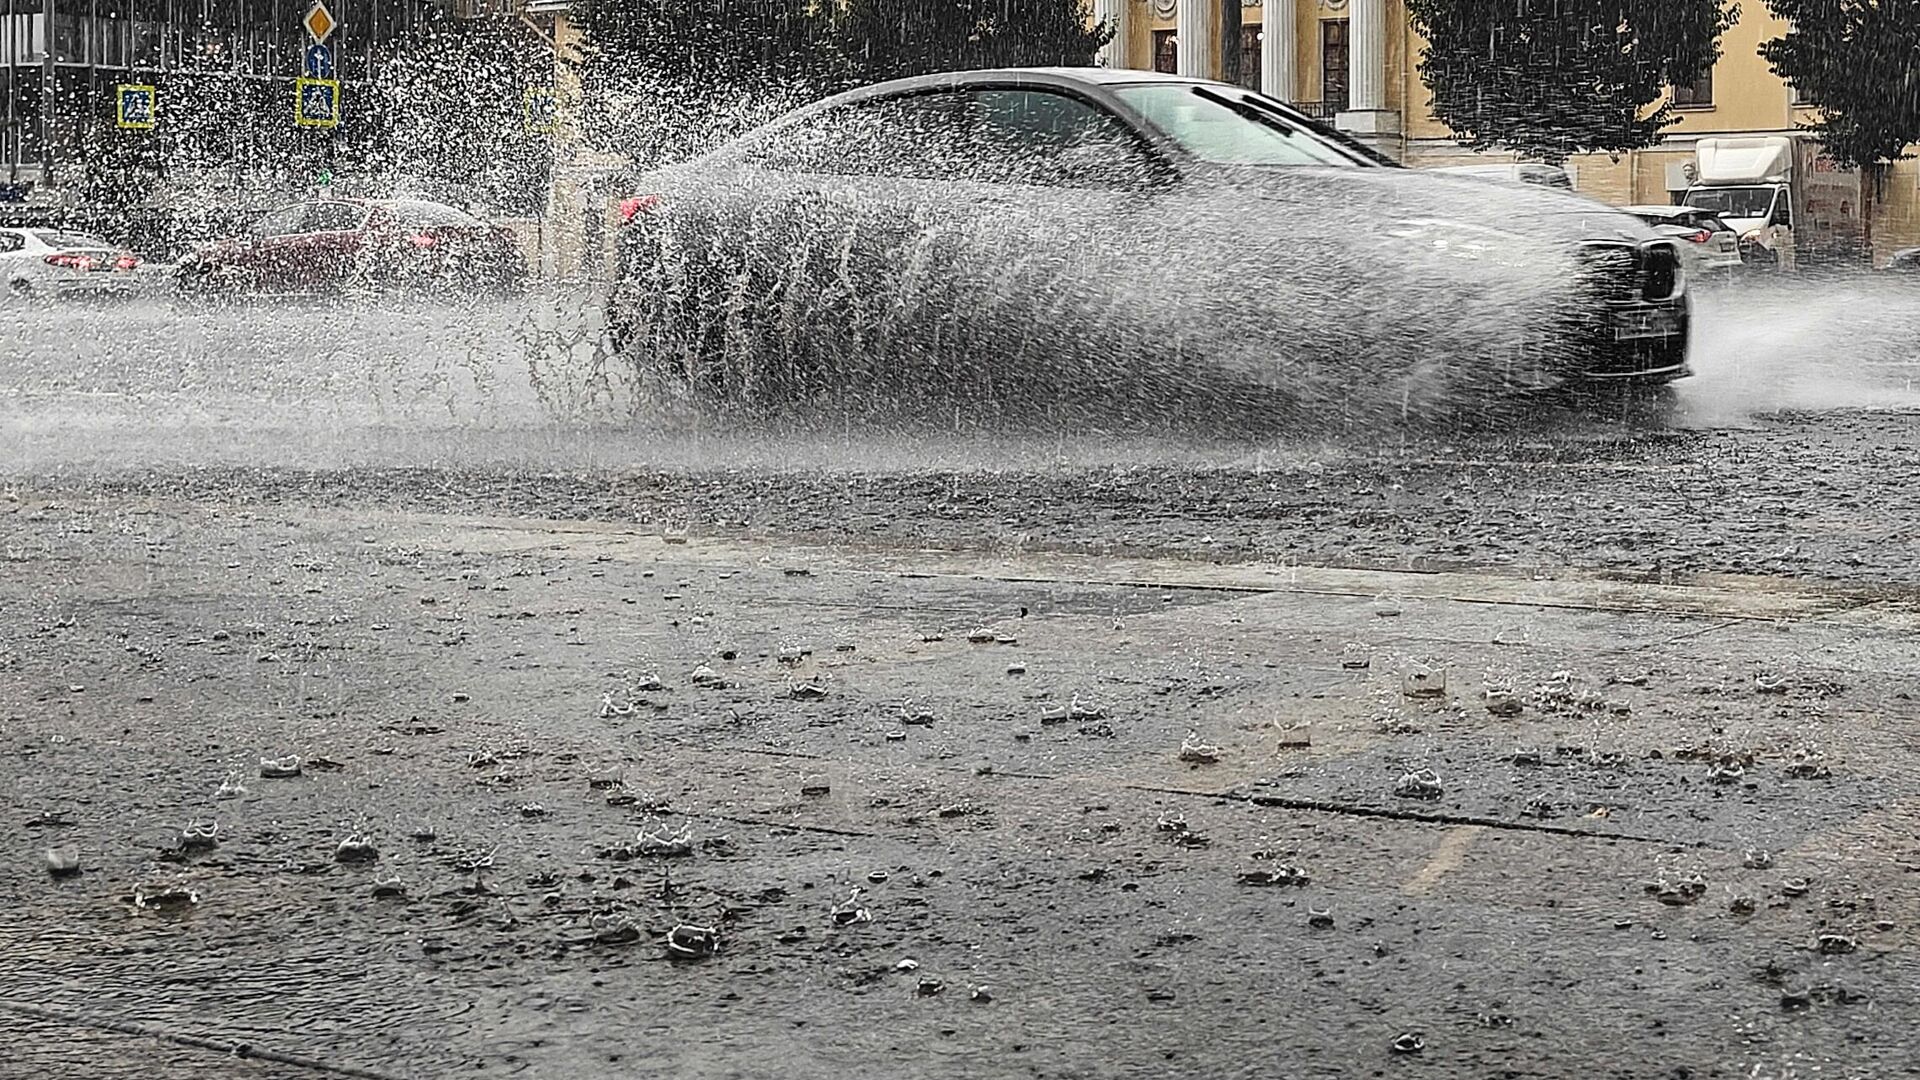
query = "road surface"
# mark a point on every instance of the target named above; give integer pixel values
(1568, 745)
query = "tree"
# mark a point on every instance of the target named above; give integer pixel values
(1551, 78)
(664, 79)
(1859, 62)
(890, 39)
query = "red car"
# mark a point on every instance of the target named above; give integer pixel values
(334, 246)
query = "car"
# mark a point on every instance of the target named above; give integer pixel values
(989, 235)
(1523, 172)
(1905, 261)
(333, 246)
(55, 263)
(1710, 243)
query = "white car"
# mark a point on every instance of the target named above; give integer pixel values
(1711, 244)
(51, 263)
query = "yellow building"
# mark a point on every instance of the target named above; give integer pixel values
(1354, 62)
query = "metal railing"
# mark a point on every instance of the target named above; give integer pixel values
(1321, 110)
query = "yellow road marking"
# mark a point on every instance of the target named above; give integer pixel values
(1447, 857)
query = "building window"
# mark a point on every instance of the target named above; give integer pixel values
(1697, 95)
(1250, 39)
(1333, 64)
(70, 39)
(1166, 52)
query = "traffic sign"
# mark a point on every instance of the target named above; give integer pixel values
(538, 107)
(316, 103)
(319, 63)
(319, 21)
(136, 105)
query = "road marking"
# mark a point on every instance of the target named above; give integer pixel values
(1447, 857)
(1725, 596)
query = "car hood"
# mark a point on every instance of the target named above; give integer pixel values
(1385, 196)
(1744, 225)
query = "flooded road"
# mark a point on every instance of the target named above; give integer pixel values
(1580, 743)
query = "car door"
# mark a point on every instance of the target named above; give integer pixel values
(835, 220)
(322, 256)
(1058, 192)
(263, 258)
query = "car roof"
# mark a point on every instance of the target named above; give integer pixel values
(1106, 75)
(358, 200)
(1091, 77)
(1099, 81)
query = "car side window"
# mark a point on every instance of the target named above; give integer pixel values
(283, 222)
(1041, 137)
(334, 217)
(908, 136)
(11, 241)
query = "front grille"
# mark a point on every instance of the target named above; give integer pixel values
(1626, 273)
(1611, 271)
(1660, 271)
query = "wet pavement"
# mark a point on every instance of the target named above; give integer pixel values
(403, 746)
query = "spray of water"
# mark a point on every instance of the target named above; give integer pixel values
(1768, 346)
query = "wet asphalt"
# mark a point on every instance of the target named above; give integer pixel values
(1576, 744)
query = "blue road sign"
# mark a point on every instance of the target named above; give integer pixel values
(316, 103)
(319, 62)
(540, 110)
(136, 105)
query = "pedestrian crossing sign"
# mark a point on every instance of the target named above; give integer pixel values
(316, 103)
(137, 105)
(540, 112)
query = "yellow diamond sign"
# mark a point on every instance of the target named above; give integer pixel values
(319, 21)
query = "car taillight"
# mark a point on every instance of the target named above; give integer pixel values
(71, 261)
(630, 207)
(1700, 236)
(126, 262)
(422, 240)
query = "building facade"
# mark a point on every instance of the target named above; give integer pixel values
(1354, 63)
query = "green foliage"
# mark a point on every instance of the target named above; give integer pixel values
(1551, 78)
(890, 39)
(1859, 60)
(662, 79)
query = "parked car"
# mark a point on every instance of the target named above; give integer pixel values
(1117, 226)
(1905, 261)
(333, 246)
(56, 263)
(1710, 243)
(1520, 172)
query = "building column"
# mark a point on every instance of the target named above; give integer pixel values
(1367, 116)
(1367, 40)
(1279, 51)
(1113, 13)
(1198, 28)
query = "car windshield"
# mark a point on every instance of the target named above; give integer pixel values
(70, 240)
(1227, 125)
(430, 213)
(1733, 202)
